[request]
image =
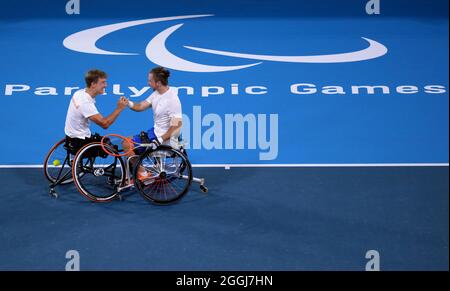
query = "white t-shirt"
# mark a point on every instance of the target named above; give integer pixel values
(165, 107)
(82, 106)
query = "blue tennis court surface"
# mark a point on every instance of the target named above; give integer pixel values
(267, 219)
(334, 123)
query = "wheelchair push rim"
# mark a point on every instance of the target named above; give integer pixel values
(96, 174)
(170, 175)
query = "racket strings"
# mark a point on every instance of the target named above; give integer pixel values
(117, 145)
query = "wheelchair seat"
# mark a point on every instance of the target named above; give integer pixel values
(70, 147)
(73, 145)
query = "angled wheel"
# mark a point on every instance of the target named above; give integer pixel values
(58, 164)
(97, 175)
(168, 175)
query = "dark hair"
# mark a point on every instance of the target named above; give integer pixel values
(92, 76)
(161, 74)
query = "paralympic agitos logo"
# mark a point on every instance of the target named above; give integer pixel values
(157, 52)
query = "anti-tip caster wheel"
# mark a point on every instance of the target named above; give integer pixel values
(53, 193)
(204, 188)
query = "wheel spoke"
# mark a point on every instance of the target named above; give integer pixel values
(168, 165)
(100, 170)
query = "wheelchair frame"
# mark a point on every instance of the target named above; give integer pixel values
(69, 176)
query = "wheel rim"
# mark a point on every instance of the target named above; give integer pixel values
(51, 170)
(166, 166)
(98, 177)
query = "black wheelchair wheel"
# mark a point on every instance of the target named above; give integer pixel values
(58, 164)
(169, 175)
(97, 175)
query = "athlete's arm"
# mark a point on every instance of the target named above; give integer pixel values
(141, 106)
(175, 125)
(105, 122)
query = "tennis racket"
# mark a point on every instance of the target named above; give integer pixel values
(118, 145)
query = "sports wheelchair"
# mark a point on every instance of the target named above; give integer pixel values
(60, 173)
(102, 177)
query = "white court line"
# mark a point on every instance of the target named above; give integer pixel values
(319, 165)
(228, 166)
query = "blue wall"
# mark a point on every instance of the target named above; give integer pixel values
(389, 127)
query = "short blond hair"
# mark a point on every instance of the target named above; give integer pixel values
(92, 76)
